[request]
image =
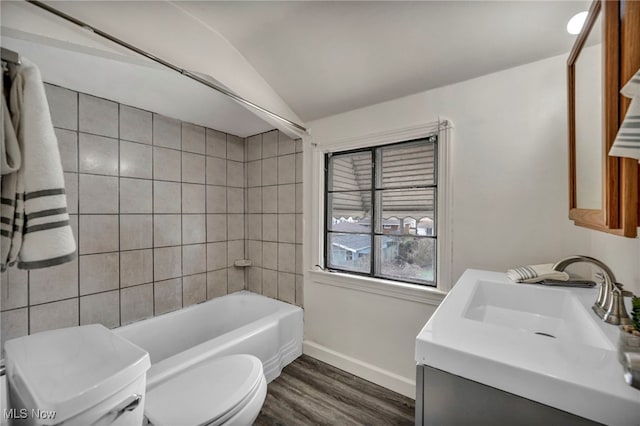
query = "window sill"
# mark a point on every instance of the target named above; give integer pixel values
(411, 292)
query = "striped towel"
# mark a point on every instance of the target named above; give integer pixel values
(536, 273)
(10, 161)
(34, 218)
(627, 142)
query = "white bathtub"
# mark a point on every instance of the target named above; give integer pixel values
(240, 323)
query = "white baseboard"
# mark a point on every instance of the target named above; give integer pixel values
(379, 376)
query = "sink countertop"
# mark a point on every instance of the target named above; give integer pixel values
(485, 330)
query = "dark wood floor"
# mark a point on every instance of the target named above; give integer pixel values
(310, 392)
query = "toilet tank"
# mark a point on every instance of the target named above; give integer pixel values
(77, 376)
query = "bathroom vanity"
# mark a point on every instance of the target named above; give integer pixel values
(497, 352)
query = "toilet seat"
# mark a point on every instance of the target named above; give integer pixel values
(229, 389)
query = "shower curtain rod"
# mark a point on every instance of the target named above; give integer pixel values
(154, 58)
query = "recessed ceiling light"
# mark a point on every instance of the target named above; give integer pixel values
(574, 26)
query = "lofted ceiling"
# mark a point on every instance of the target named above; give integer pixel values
(324, 58)
(312, 59)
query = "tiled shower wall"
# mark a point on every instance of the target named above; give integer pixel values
(274, 216)
(158, 211)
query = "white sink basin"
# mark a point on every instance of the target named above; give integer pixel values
(542, 343)
(552, 313)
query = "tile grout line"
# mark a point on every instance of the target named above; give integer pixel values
(181, 210)
(182, 215)
(295, 199)
(119, 223)
(153, 216)
(226, 150)
(245, 209)
(77, 94)
(261, 216)
(278, 214)
(206, 221)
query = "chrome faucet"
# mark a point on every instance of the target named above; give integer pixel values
(610, 302)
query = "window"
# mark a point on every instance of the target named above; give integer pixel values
(380, 217)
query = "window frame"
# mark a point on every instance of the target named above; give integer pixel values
(431, 138)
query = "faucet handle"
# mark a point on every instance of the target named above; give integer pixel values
(625, 293)
(617, 313)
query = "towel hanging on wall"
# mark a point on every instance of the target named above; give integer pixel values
(627, 142)
(10, 161)
(35, 229)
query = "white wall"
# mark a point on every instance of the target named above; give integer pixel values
(622, 255)
(510, 207)
(370, 335)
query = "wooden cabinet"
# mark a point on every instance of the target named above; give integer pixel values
(613, 27)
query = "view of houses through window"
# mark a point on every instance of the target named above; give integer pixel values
(380, 211)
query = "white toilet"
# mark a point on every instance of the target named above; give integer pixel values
(90, 376)
(228, 390)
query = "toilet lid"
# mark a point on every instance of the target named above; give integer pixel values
(204, 393)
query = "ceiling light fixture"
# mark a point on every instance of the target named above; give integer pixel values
(574, 26)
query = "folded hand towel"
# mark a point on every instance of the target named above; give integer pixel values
(41, 235)
(536, 273)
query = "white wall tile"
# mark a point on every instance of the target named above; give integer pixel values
(136, 267)
(235, 148)
(167, 197)
(167, 230)
(254, 147)
(216, 144)
(194, 289)
(14, 289)
(14, 323)
(51, 316)
(136, 160)
(167, 164)
(194, 259)
(136, 303)
(167, 295)
(97, 154)
(167, 132)
(270, 144)
(68, 147)
(136, 195)
(216, 283)
(136, 231)
(98, 233)
(99, 272)
(53, 283)
(98, 116)
(98, 194)
(193, 138)
(167, 263)
(193, 168)
(63, 106)
(101, 308)
(287, 287)
(136, 125)
(194, 229)
(216, 171)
